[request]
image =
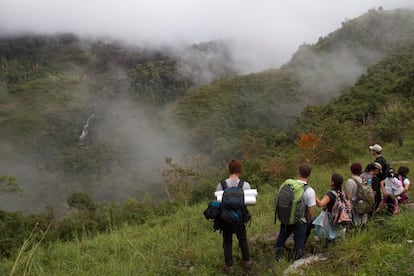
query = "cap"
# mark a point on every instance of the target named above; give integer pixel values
(377, 166)
(376, 148)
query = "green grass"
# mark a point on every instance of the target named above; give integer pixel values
(185, 243)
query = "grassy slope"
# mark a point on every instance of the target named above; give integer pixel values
(185, 243)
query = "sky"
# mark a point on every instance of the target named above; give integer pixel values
(263, 33)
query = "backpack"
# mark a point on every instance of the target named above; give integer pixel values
(290, 206)
(341, 214)
(213, 210)
(233, 210)
(365, 200)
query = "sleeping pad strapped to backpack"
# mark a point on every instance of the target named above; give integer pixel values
(233, 209)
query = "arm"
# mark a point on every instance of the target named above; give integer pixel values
(348, 190)
(406, 184)
(349, 197)
(310, 201)
(321, 203)
(382, 183)
(309, 213)
(406, 188)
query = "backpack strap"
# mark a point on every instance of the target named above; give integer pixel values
(338, 194)
(223, 184)
(356, 181)
(335, 193)
(401, 178)
(246, 214)
(305, 187)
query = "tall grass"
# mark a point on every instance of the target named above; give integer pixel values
(185, 243)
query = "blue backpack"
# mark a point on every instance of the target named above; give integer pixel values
(233, 209)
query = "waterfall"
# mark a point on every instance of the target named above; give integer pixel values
(85, 130)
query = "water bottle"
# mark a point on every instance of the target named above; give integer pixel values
(369, 181)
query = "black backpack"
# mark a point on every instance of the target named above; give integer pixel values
(233, 209)
(213, 210)
(290, 205)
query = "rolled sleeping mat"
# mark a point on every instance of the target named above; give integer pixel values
(249, 200)
(249, 196)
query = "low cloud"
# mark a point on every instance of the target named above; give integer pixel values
(263, 34)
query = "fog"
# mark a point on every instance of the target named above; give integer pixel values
(263, 34)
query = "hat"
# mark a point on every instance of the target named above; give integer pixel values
(376, 148)
(377, 166)
(356, 168)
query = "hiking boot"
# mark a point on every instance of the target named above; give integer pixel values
(228, 269)
(279, 253)
(247, 264)
(328, 243)
(298, 254)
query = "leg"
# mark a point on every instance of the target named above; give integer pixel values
(244, 247)
(309, 229)
(377, 200)
(284, 234)
(404, 198)
(396, 211)
(357, 219)
(300, 237)
(381, 204)
(227, 246)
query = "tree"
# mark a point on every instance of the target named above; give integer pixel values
(8, 184)
(395, 122)
(178, 180)
(81, 202)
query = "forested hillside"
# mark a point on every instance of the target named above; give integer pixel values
(88, 115)
(360, 71)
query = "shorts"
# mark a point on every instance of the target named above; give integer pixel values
(393, 190)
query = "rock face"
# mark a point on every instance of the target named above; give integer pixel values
(295, 267)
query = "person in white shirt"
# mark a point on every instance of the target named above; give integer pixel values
(299, 229)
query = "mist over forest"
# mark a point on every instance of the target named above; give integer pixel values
(193, 104)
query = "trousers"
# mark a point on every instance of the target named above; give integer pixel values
(240, 232)
(299, 231)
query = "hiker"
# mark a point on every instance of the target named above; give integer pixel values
(299, 228)
(376, 151)
(391, 186)
(371, 175)
(235, 170)
(367, 174)
(322, 225)
(351, 190)
(402, 176)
